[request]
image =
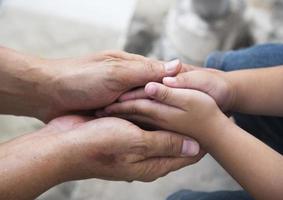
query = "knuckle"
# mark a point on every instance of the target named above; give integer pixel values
(141, 145)
(171, 144)
(164, 94)
(140, 107)
(153, 68)
(149, 66)
(133, 110)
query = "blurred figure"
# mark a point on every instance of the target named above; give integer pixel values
(266, 19)
(195, 28)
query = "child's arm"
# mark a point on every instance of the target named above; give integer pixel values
(258, 91)
(253, 91)
(252, 163)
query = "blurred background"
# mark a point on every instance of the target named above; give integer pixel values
(163, 29)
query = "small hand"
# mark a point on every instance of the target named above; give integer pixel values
(210, 81)
(185, 111)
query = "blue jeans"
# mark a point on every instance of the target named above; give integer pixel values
(219, 195)
(267, 129)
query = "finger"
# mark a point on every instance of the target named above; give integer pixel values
(165, 95)
(143, 107)
(192, 80)
(135, 94)
(169, 144)
(210, 83)
(154, 168)
(144, 123)
(187, 68)
(141, 72)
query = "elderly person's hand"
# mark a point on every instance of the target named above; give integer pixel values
(46, 88)
(74, 147)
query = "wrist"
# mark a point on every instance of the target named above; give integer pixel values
(22, 81)
(213, 130)
(49, 150)
(35, 161)
(58, 152)
(232, 87)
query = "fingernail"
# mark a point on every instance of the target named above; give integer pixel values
(169, 80)
(172, 66)
(151, 89)
(190, 148)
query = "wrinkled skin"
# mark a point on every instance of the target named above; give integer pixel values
(95, 81)
(78, 147)
(175, 109)
(49, 88)
(75, 147)
(135, 154)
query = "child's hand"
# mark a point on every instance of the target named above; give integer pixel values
(185, 111)
(212, 82)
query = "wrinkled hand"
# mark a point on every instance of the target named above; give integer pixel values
(98, 80)
(210, 81)
(76, 147)
(186, 111)
(114, 149)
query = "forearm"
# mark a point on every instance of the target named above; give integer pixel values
(253, 164)
(258, 91)
(20, 84)
(29, 166)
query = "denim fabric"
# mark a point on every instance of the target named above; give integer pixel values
(267, 129)
(258, 56)
(220, 195)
